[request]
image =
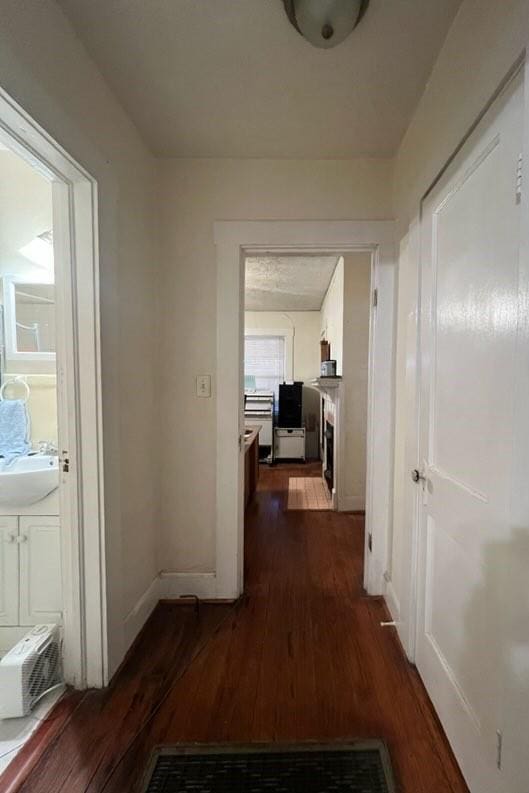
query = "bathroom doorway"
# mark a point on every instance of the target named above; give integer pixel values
(51, 389)
(31, 584)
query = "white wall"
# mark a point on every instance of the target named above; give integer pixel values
(332, 315)
(305, 359)
(345, 324)
(355, 368)
(46, 69)
(194, 194)
(485, 40)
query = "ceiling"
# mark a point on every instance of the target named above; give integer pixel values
(233, 78)
(287, 283)
(25, 212)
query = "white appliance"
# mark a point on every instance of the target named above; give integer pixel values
(289, 443)
(30, 669)
(259, 412)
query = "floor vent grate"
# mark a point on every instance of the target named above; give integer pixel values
(332, 768)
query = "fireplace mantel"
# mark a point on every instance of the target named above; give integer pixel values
(331, 390)
(324, 384)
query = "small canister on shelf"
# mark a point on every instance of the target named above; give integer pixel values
(325, 349)
(328, 369)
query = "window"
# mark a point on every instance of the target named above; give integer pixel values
(264, 363)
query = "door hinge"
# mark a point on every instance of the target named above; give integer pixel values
(499, 747)
(519, 178)
(65, 461)
(370, 541)
(375, 297)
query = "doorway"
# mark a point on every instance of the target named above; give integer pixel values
(70, 243)
(234, 243)
(306, 361)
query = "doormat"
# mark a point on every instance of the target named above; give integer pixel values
(308, 492)
(360, 767)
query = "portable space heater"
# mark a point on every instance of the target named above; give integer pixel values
(29, 670)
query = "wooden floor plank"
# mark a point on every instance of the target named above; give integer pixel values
(302, 656)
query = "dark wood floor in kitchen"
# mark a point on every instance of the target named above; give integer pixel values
(301, 657)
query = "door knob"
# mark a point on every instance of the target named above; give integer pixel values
(417, 476)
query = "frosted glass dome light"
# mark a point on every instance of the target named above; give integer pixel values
(325, 23)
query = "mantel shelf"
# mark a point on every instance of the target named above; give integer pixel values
(326, 383)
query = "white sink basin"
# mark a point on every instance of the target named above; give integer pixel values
(28, 479)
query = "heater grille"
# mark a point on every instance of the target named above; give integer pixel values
(345, 770)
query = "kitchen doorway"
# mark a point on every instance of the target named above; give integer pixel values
(306, 363)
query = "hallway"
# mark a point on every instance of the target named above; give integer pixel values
(301, 657)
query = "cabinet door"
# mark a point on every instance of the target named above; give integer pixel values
(40, 570)
(8, 570)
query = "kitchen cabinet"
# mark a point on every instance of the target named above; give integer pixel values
(251, 464)
(31, 586)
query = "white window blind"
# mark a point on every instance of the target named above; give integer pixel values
(264, 362)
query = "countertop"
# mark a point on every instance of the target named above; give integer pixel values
(249, 439)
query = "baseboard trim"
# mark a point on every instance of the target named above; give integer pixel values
(166, 586)
(141, 611)
(174, 585)
(392, 602)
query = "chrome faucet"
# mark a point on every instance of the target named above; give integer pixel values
(47, 447)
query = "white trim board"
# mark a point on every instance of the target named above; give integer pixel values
(167, 586)
(175, 585)
(392, 602)
(234, 241)
(141, 611)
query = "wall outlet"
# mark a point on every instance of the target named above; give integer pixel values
(203, 385)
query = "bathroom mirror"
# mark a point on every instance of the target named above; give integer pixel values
(29, 320)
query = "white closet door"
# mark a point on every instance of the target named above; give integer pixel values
(40, 570)
(8, 570)
(469, 332)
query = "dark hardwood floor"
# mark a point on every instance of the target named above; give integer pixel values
(300, 657)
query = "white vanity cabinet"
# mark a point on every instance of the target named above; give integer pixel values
(31, 581)
(9, 582)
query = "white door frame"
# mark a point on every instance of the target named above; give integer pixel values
(406, 502)
(234, 240)
(75, 216)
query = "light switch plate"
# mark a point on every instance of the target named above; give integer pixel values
(203, 385)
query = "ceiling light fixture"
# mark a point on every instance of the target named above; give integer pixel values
(325, 23)
(40, 250)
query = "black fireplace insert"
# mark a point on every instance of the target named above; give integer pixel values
(329, 455)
